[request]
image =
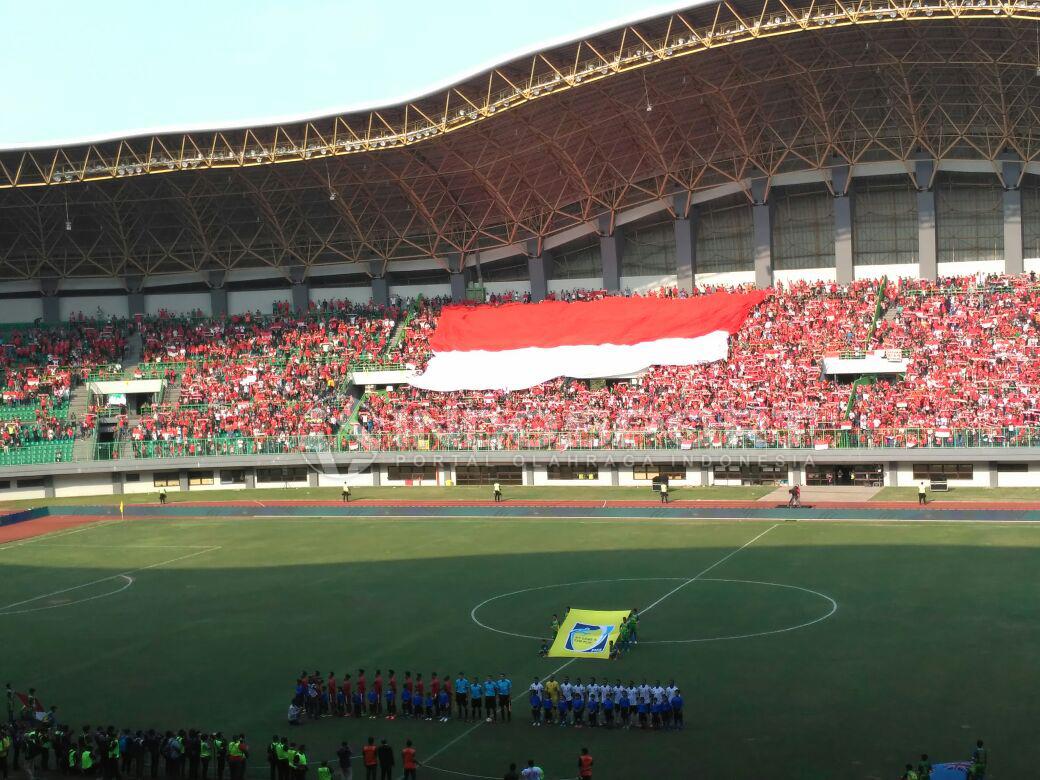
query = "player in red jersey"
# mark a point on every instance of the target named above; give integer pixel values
(378, 685)
(362, 688)
(346, 695)
(332, 689)
(435, 690)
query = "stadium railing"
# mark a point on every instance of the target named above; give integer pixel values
(808, 439)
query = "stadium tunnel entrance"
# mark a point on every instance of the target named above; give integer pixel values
(857, 474)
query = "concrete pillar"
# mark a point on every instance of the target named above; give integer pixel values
(134, 294)
(762, 224)
(301, 289)
(380, 286)
(457, 270)
(312, 478)
(377, 475)
(538, 260)
(705, 476)
(218, 293)
(611, 251)
(48, 487)
(458, 286)
(796, 475)
(893, 474)
(615, 477)
(51, 308)
(927, 242)
(250, 477)
(184, 481)
(994, 475)
(1011, 173)
(529, 474)
(117, 483)
(687, 221)
(842, 224)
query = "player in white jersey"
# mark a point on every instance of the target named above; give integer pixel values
(566, 689)
(671, 689)
(595, 690)
(579, 687)
(536, 687)
(644, 691)
(657, 692)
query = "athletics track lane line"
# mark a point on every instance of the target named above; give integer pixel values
(672, 592)
(127, 573)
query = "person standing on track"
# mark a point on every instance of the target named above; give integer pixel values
(585, 764)
(409, 761)
(922, 493)
(664, 492)
(162, 495)
(368, 755)
(498, 492)
(385, 754)
(345, 493)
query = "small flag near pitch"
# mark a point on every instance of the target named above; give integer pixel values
(120, 508)
(587, 633)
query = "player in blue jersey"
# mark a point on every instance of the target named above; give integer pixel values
(443, 705)
(593, 709)
(504, 686)
(476, 698)
(536, 707)
(677, 711)
(577, 708)
(490, 700)
(563, 707)
(462, 696)
(608, 710)
(547, 709)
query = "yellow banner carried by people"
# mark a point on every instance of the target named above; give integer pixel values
(587, 633)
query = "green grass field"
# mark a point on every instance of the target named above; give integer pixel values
(933, 642)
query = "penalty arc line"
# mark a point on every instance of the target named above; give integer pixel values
(560, 668)
(127, 573)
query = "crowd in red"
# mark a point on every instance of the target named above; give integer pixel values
(772, 380)
(973, 354)
(972, 347)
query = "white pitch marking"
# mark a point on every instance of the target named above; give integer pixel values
(56, 534)
(563, 666)
(717, 563)
(106, 579)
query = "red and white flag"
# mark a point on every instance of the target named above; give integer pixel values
(517, 346)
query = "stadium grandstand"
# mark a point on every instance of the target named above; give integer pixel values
(258, 306)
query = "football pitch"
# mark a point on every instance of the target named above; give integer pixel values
(804, 650)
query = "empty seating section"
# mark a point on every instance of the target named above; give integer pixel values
(254, 384)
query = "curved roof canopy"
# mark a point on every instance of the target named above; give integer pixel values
(673, 104)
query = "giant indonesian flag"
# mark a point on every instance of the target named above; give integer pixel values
(518, 345)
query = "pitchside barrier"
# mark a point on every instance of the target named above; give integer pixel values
(556, 441)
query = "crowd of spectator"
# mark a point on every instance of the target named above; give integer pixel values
(258, 382)
(772, 380)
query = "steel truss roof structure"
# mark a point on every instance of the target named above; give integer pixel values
(673, 104)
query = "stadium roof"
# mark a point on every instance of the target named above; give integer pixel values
(542, 143)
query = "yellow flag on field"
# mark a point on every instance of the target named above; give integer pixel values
(120, 508)
(587, 633)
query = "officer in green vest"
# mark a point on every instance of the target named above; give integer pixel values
(281, 754)
(272, 756)
(979, 760)
(324, 773)
(5, 749)
(300, 766)
(220, 750)
(86, 761)
(237, 753)
(205, 752)
(45, 749)
(73, 760)
(290, 760)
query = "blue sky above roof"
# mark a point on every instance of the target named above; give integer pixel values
(88, 70)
